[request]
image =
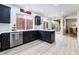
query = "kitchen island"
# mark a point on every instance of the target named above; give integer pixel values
(15, 38)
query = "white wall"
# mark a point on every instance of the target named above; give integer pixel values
(37, 26)
(4, 27)
(42, 19)
(14, 10)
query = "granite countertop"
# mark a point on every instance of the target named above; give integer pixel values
(27, 30)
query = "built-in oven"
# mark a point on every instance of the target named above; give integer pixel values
(16, 38)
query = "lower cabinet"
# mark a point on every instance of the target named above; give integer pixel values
(34, 35)
(38, 35)
(28, 36)
(25, 37)
(47, 36)
(5, 41)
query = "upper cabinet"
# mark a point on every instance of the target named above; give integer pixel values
(37, 20)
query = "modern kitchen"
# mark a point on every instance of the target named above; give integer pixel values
(36, 29)
(23, 31)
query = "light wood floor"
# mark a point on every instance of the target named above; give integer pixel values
(68, 45)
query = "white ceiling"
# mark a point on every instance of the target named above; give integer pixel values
(51, 10)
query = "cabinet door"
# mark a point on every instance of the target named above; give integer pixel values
(26, 37)
(46, 36)
(33, 35)
(5, 42)
(37, 35)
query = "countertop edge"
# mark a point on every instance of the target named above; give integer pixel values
(25, 30)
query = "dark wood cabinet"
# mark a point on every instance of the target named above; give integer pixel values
(38, 35)
(37, 20)
(25, 37)
(33, 35)
(47, 36)
(28, 36)
(5, 41)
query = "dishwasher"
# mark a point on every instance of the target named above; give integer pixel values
(16, 38)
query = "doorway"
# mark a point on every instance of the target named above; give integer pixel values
(70, 27)
(56, 25)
